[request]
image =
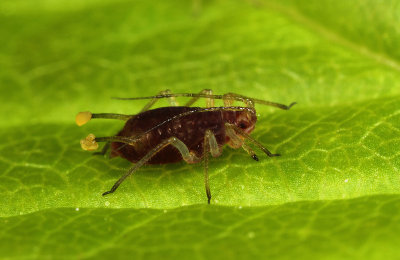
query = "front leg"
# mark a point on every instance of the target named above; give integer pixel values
(238, 136)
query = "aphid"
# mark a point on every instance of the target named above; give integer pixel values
(175, 133)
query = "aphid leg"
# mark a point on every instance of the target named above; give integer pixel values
(209, 100)
(171, 99)
(228, 99)
(178, 144)
(239, 132)
(210, 145)
(235, 142)
(250, 151)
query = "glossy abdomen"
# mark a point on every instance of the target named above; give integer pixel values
(190, 129)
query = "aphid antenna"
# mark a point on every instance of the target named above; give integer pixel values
(230, 96)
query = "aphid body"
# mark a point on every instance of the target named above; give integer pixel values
(190, 129)
(175, 133)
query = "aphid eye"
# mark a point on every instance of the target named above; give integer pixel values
(242, 125)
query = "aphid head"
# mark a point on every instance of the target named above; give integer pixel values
(246, 120)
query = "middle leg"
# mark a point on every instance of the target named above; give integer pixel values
(210, 145)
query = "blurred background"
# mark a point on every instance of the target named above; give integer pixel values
(59, 57)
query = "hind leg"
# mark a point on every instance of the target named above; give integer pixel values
(188, 156)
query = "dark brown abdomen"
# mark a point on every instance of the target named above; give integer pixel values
(190, 129)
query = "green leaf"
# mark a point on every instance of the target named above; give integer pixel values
(334, 192)
(360, 228)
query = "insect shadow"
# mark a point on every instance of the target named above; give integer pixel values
(175, 133)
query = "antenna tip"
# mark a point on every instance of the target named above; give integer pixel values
(89, 143)
(83, 117)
